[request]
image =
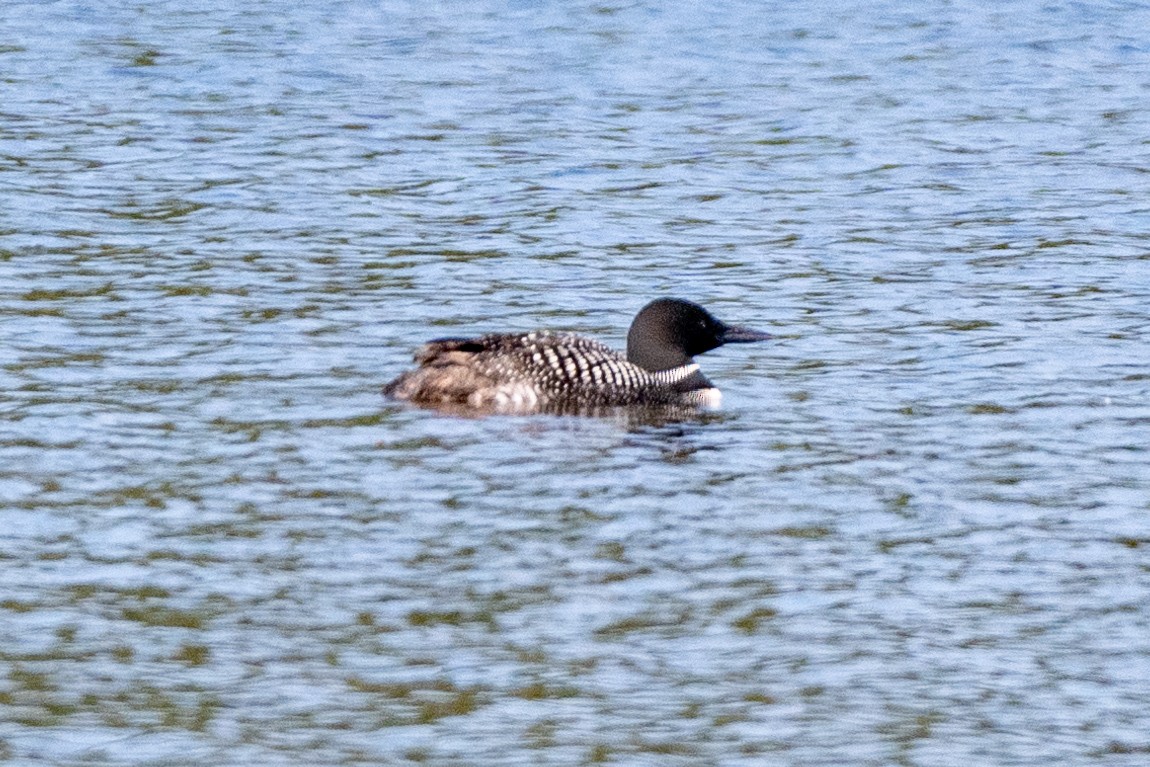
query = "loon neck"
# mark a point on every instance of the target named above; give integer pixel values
(656, 357)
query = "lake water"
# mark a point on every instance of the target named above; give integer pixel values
(917, 533)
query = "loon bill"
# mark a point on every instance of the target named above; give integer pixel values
(544, 371)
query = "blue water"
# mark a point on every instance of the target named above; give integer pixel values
(915, 534)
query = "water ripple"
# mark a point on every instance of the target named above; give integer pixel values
(916, 533)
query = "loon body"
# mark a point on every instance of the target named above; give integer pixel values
(563, 372)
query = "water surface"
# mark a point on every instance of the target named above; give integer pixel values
(915, 534)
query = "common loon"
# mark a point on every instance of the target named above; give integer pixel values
(545, 371)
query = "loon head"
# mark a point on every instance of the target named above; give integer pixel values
(668, 332)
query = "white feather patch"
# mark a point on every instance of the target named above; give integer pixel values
(674, 375)
(708, 398)
(517, 397)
